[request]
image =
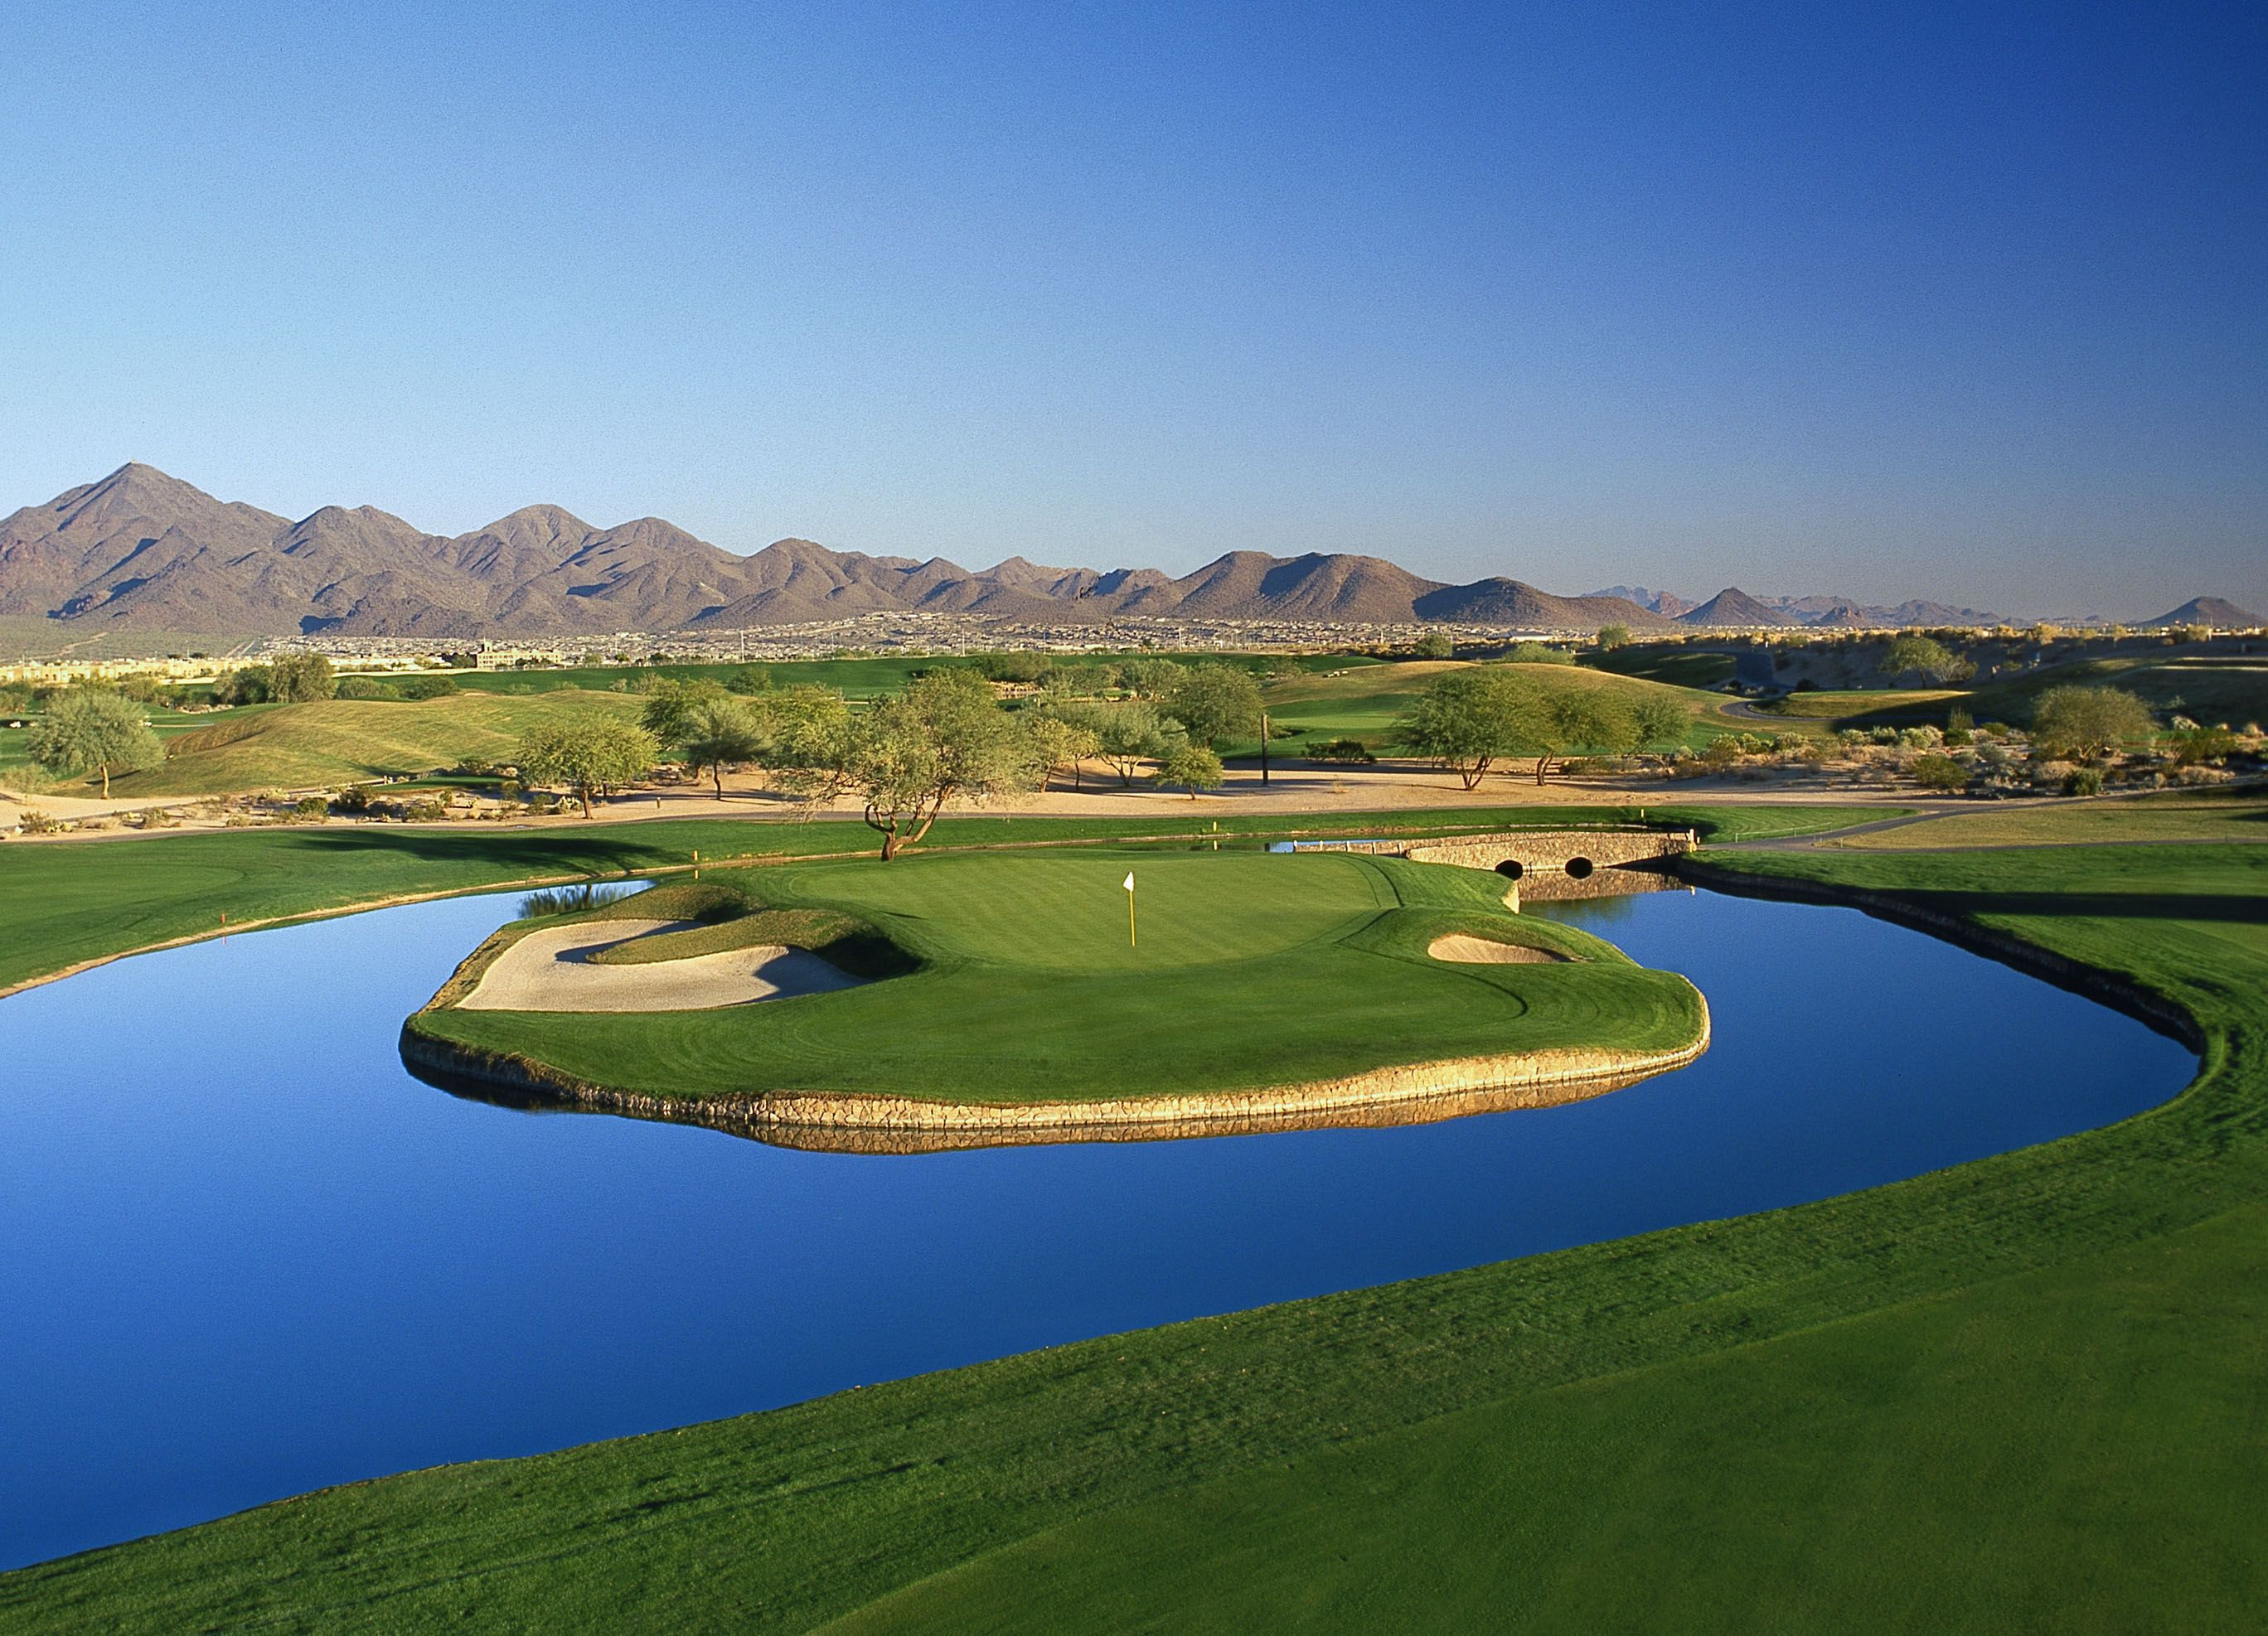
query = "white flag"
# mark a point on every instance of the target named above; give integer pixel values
(1130, 880)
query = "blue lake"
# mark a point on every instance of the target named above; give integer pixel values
(243, 1253)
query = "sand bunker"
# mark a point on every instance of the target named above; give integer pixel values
(1480, 952)
(551, 971)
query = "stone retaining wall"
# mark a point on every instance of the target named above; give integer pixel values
(1412, 1094)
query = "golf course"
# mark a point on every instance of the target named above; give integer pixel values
(1021, 979)
(2021, 1391)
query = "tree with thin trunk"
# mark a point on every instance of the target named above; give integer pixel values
(1464, 721)
(1558, 720)
(718, 733)
(943, 739)
(590, 754)
(1215, 702)
(93, 729)
(2088, 723)
(1191, 768)
(1131, 733)
(1661, 723)
(807, 740)
(1058, 744)
(671, 706)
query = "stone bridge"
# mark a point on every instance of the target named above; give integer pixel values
(1520, 852)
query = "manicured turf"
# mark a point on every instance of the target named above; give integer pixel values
(1364, 703)
(2020, 1394)
(856, 679)
(2173, 815)
(1252, 970)
(64, 903)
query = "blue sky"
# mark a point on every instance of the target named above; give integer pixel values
(1968, 302)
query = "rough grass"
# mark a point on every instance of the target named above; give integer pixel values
(347, 741)
(2019, 1394)
(1251, 970)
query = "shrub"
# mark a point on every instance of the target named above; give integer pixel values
(1351, 750)
(414, 688)
(2084, 780)
(1940, 772)
(34, 822)
(2204, 745)
(360, 687)
(310, 807)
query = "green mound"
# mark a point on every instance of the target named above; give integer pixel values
(1022, 984)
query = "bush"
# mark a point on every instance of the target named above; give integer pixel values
(310, 807)
(2084, 780)
(1350, 750)
(416, 688)
(2204, 745)
(1538, 653)
(34, 822)
(360, 687)
(1940, 772)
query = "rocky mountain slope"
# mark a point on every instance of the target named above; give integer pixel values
(143, 550)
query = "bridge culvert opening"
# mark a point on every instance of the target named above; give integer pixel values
(1510, 869)
(1578, 868)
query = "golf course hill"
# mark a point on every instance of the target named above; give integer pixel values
(966, 999)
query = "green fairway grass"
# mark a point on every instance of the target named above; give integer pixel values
(2023, 1393)
(855, 678)
(1252, 970)
(1364, 704)
(2217, 689)
(62, 903)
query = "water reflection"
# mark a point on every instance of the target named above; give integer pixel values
(243, 1254)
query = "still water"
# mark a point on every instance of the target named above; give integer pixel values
(244, 1254)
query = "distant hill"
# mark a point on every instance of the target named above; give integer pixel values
(2211, 611)
(1510, 602)
(140, 550)
(1732, 606)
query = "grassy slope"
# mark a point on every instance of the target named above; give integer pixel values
(64, 903)
(2173, 815)
(2216, 689)
(343, 741)
(1252, 971)
(1364, 704)
(858, 679)
(2021, 1393)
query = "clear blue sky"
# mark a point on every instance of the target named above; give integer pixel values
(1967, 301)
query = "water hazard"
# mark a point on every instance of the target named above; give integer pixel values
(243, 1253)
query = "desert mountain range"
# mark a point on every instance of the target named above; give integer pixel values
(140, 550)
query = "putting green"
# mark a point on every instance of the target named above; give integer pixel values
(1250, 969)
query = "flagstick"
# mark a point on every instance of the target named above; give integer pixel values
(1130, 920)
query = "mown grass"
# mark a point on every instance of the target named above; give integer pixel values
(855, 678)
(1364, 704)
(1251, 971)
(2173, 815)
(2217, 689)
(2019, 1394)
(62, 903)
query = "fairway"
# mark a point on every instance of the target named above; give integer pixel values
(1251, 970)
